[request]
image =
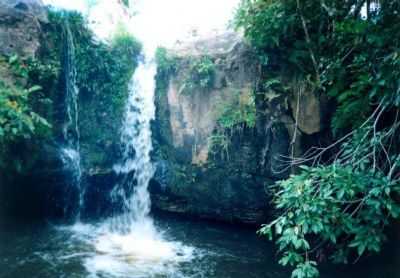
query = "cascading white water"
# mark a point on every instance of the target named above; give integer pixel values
(70, 152)
(137, 145)
(128, 244)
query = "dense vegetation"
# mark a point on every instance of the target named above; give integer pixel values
(337, 207)
(104, 70)
(32, 88)
(200, 75)
(166, 64)
(199, 72)
(17, 116)
(24, 105)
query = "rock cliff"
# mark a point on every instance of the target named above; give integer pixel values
(35, 180)
(218, 143)
(214, 160)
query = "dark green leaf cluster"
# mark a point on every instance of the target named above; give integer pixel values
(103, 70)
(341, 209)
(201, 75)
(365, 69)
(274, 28)
(337, 209)
(239, 113)
(353, 59)
(166, 63)
(17, 118)
(19, 94)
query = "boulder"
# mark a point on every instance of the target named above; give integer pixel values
(310, 111)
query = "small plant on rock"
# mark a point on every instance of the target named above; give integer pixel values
(201, 75)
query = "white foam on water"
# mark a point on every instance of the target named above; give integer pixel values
(129, 245)
(139, 253)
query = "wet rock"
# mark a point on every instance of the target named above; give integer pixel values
(98, 201)
(20, 28)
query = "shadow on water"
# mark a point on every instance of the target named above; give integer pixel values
(42, 250)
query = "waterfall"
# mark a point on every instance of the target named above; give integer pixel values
(70, 127)
(129, 243)
(136, 143)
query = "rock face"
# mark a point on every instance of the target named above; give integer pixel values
(194, 115)
(42, 186)
(228, 182)
(204, 168)
(20, 26)
(191, 178)
(37, 183)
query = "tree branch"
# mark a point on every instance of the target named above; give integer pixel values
(309, 43)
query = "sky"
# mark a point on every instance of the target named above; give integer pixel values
(160, 22)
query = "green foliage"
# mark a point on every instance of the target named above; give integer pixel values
(17, 118)
(103, 70)
(220, 142)
(239, 113)
(43, 72)
(233, 116)
(305, 270)
(334, 206)
(18, 68)
(369, 73)
(126, 47)
(339, 208)
(253, 16)
(103, 74)
(283, 39)
(352, 59)
(201, 75)
(166, 63)
(26, 116)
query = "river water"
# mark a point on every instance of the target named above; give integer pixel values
(207, 250)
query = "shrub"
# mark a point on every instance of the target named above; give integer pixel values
(200, 76)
